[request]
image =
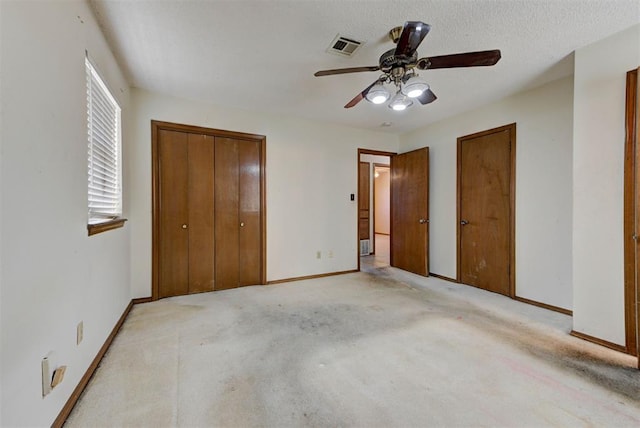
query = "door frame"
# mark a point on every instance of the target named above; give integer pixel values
(632, 215)
(512, 201)
(156, 126)
(376, 153)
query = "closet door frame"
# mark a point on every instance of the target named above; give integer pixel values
(156, 126)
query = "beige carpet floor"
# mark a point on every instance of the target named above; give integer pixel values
(372, 349)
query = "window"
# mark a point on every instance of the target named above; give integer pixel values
(105, 179)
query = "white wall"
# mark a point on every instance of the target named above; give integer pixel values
(52, 274)
(311, 171)
(382, 207)
(543, 186)
(599, 100)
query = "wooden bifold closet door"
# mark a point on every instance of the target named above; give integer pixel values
(208, 211)
(237, 215)
(186, 213)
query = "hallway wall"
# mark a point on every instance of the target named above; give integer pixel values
(382, 199)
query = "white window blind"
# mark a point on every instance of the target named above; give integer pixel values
(105, 183)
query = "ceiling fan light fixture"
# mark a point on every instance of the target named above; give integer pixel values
(378, 94)
(414, 87)
(400, 102)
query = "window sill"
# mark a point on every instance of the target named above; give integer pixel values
(96, 228)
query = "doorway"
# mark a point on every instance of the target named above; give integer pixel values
(486, 210)
(408, 209)
(373, 208)
(208, 209)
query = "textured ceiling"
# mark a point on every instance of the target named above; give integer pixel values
(261, 55)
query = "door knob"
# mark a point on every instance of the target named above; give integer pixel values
(242, 224)
(423, 221)
(184, 226)
(464, 222)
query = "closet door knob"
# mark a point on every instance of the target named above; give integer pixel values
(242, 224)
(184, 226)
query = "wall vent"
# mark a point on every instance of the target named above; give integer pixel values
(364, 247)
(344, 46)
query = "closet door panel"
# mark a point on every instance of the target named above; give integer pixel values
(226, 185)
(200, 226)
(249, 212)
(173, 266)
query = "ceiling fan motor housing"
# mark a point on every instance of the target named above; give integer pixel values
(389, 60)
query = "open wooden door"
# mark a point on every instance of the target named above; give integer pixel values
(410, 211)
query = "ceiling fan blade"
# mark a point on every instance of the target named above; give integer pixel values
(412, 35)
(360, 96)
(427, 97)
(346, 70)
(468, 59)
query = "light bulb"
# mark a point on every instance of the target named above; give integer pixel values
(379, 99)
(400, 102)
(414, 93)
(378, 94)
(414, 87)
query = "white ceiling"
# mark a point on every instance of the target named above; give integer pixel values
(260, 55)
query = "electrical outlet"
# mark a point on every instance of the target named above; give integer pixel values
(318, 254)
(46, 376)
(48, 367)
(79, 332)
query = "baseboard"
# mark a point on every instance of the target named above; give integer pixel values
(77, 392)
(519, 299)
(597, 341)
(301, 278)
(445, 278)
(139, 300)
(544, 305)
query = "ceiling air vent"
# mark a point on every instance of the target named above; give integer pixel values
(344, 46)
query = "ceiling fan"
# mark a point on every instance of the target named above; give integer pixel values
(399, 68)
